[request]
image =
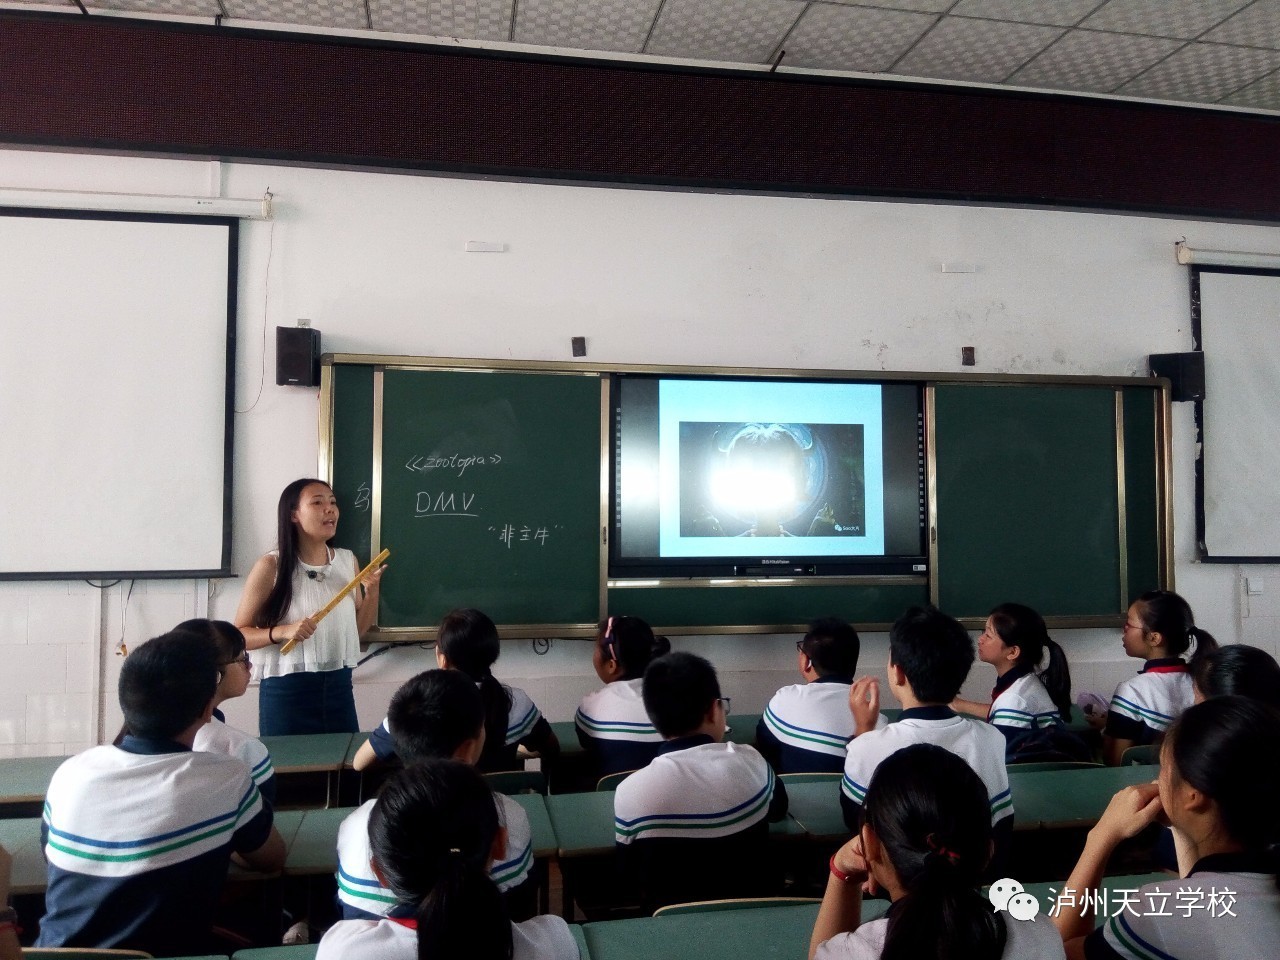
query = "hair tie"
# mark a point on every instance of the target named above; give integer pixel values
(455, 850)
(609, 641)
(940, 850)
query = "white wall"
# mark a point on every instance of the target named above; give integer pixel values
(376, 261)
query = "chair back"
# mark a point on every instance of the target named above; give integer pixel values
(611, 781)
(741, 903)
(512, 782)
(1147, 754)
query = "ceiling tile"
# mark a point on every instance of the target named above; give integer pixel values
(177, 8)
(980, 51)
(1055, 13)
(1203, 72)
(1256, 26)
(853, 38)
(586, 24)
(741, 31)
(345, 14)
(1099, 62)
(919, 6)
(1162, 18)
(1264, 94)
(465, 19)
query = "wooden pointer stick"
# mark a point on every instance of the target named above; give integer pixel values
(339, 597)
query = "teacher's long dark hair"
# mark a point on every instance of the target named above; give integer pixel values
(931, 814)
(281, 596)
(432, 834)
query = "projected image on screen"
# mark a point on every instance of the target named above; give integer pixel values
(772, 480)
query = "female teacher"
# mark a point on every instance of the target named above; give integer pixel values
(309, 689)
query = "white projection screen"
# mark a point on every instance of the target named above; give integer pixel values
(1238, 474)
(116, 394)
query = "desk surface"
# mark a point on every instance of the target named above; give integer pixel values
(1056, 799)
(543, 834)
(21, 838)
(314, 849)
(816, 808)
(308, 753)
(26, 779)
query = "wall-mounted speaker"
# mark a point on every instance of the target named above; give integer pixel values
(1184, 370)
(297, 357)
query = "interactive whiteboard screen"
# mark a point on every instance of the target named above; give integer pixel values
(115, 395)
(1239, 331)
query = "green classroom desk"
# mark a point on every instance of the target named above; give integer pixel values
(303, 951)
(315, 845)
(1059, 799)
(816, 808)
(25, 780)
(311, 753)
(543, 835)
(758, 933)
(22, 839)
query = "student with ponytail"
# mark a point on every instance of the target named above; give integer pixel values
(1236, 669)
(1159, 629)
(612, 724)
(1219, 790)
(1030, 705)
(434, 832)
(925, 840)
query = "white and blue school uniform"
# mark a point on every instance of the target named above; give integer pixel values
(807, 726)
(1142, 708)
(521, 719)
(615, 728)
(138, 838)
(217, 736)
(396, 938)
(1188, 917)
(976, 743)
(1036, 939)
(1023, 711)
(364, 897)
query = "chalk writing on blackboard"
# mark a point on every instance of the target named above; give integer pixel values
(459, 462)
(444, 504)
(510, 533)
(363, 494)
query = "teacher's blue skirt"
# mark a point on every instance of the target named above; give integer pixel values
(321, 702)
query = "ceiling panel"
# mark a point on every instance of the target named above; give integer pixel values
(922, 6)
(177, 8)
(1095, 62)
(745, 31)
(1055, 13)
(1203, 72)
(1256, 26)
(586, 24)
(344, 14)
(1263, 94)
(829, 37)
(465, 19)
(980, 51)
(1162, 18)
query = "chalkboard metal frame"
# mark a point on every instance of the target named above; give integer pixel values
(1162, 457)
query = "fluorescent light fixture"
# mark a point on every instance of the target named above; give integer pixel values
(259, 209)
(1225, 258)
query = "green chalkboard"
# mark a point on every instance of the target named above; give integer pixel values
(488, 492)
(1027, 499)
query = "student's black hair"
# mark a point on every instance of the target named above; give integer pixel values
(630, 642)
(832, 646)
(433, 713)
(1166, 613)
(225, 636)
(469, 641)
(679, 688)
(1225, 748)
(1020, 626)
(431, 834)
(933, 650)
(931, 814)
(166, 683)
(1237, 669)
(281, 595)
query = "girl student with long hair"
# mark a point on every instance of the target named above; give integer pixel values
(1218, 790)
(434, 833)
(1236, 669)
(1032, 694)
(309, 690)
(612, 724)
(1158, 629)
(925, 840)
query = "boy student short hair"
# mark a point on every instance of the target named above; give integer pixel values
(166, 683)
(832, 646)
(679, 689)
(433, 713)
(934, 651)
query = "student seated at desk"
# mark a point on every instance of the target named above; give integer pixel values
(612, 724)
(435, 715)
(1219, 790)
(929, 657)
(218, 736)
(694, 823)
(1030, 706)
(1158, 628)
(1236, 669)
(467, 641)
(435, 832)
(807, 726)
(925, 841)
(139, 836)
